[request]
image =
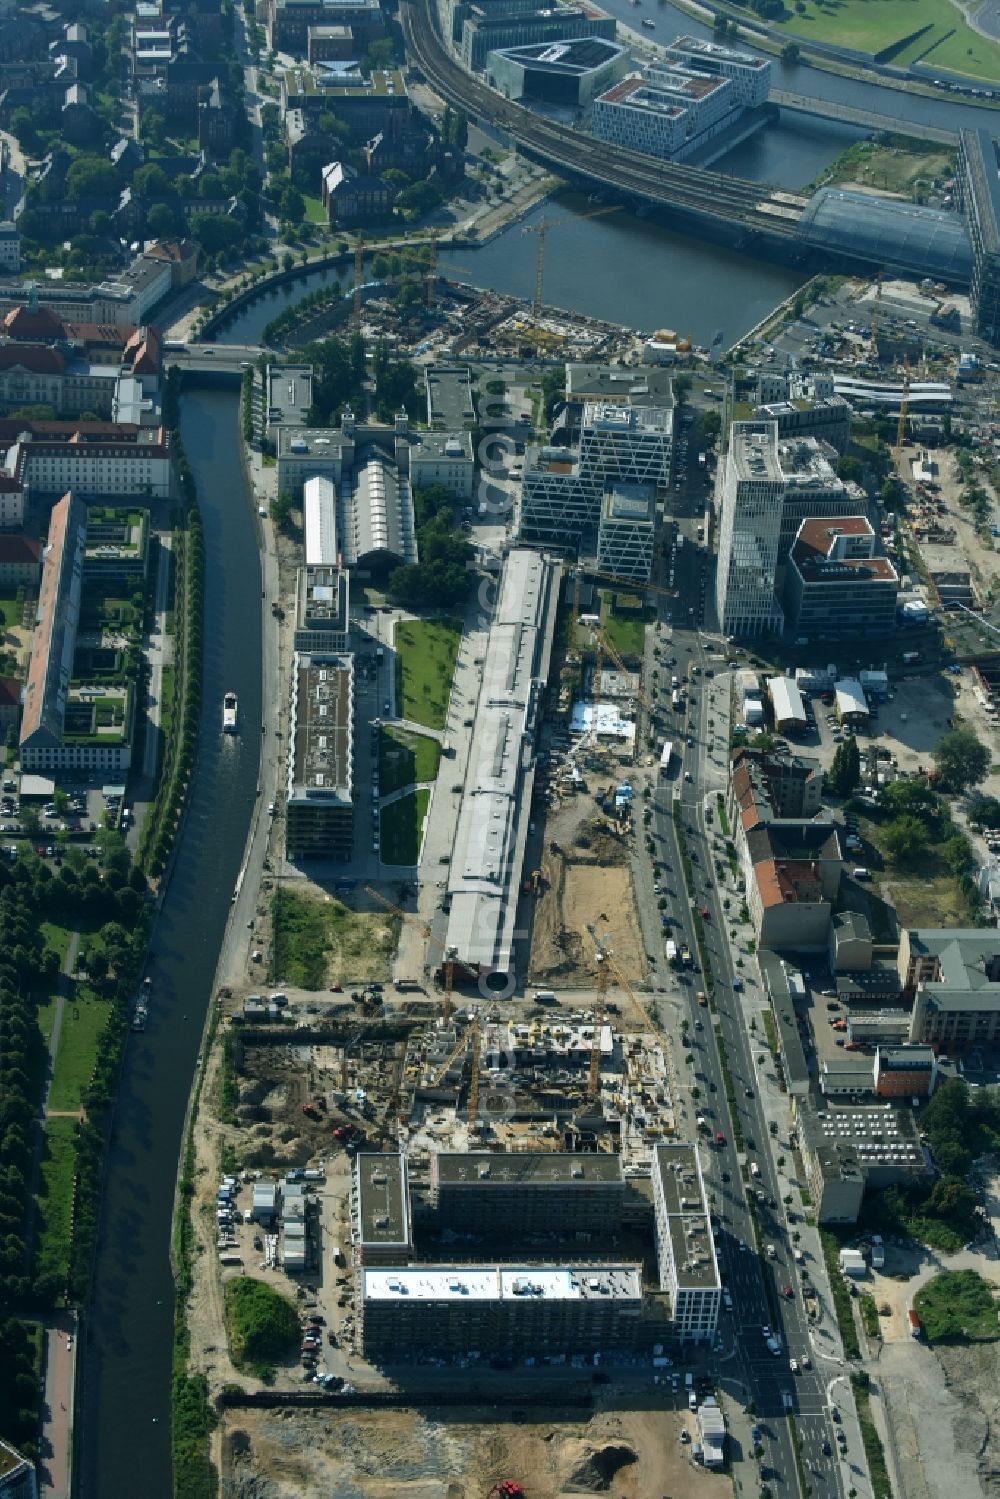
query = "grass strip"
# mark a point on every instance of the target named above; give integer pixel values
(841, 1295)
(874, 1451)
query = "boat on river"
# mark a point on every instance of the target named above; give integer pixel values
(230, 712)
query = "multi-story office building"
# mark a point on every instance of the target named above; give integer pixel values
(977, 184)
(689, 1271)
(520, 1195)
(504, 1310)
(322, 620)
(288, 22)
(954, 977)
(845, 1150)
(562, 491)
(94, 458)
(626, 530)
(838, 584)
(665, 111)
(443, 458)
(561, 72)
(320, 776)
(750, 76)
(485, 31)
(768, 488)
(380, 1210)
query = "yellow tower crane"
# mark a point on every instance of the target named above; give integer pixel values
(904, 406)
(541, 229)
(449, 954)
(876, 311)
(359, 271)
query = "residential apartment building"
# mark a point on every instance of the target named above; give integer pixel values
(319, 808)
(767, 786)
(954, 978)
(381, 1227)
(59, 724)
(288, 22)
(768, 487)
(626, 531)
(838, 583)
(689, 1270)
(500, 1310)
(977, 189)
(905, 1072)
(792, 872)
(20, 560)
(522, 1195)
(12, 500)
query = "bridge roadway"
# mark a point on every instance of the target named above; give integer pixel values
(730, 200)
(866, 118)
(225, 359)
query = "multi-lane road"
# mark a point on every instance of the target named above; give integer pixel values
(755, 1281)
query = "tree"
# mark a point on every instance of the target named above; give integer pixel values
(280, 511)
(99, 223)
(906, 840)
(682, 385)
(92, 177)
(151, 181)
(790, 52)
(292, 206)
(961, 759)
(160, 221)
(845, 772)
(850, 469)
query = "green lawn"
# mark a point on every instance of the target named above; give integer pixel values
(625, 633)
(315, 212)
(301, 940)
(55, 1199)
(46, 1015)
(957, 1306)
(402, 827)
(84, 1019)
(10, 609)
(426, 651)
(317, 941)
(405, 759)
(57, 938)
(874, 25)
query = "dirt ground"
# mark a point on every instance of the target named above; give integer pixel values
(586, 880)
(404, 1455)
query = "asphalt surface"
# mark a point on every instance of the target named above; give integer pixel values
(744, 1366)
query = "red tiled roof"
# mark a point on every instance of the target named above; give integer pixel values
(10, 692)
(37, 358)
(17, 547)
(44, 323)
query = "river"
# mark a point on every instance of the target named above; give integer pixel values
(125, 1417)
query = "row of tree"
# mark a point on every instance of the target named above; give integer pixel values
(181, 737)
(441, 579)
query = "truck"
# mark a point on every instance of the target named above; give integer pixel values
(675, 698)
(671, 950)
(878, 1252)
(666, 755)
(910, 658)
(544, 997)
(754, 1169)
(914, 1323)
(686, 957)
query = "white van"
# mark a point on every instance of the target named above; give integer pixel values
(689, 1381)
(861, 873)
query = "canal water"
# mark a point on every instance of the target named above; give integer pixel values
(125, 1446)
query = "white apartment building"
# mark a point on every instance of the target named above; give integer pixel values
(114, 464)
(640, 117)
(11, 503)
(689, 1270)
(768, 486)
(625, 534)
(750, 76)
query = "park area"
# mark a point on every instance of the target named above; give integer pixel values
(406, 759)
(402, 826)
(426, 652)
(933, 32)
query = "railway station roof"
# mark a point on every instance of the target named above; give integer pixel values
(926, 241)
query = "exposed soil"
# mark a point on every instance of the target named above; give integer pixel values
(586, 881)
(404, 1455)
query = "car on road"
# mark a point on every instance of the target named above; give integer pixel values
(748, 1092)
(827, 1449)
(793, 1365)
(787, 1292)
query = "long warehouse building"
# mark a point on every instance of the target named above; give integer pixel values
(488, 855)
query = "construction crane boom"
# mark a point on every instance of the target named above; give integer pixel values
(541, 229)
(876, 311)
(448, 953)
(904, 406)
(359, 271)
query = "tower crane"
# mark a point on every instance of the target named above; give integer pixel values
(594, 1076)
(904, 406)
(876, 311)
(448, 953)
(359, 271)
(541, 229)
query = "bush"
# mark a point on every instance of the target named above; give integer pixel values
(263, 1326)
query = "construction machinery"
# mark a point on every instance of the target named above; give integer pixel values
(507, 1488)
(449, 954)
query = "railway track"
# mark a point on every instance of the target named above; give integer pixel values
(669, 184)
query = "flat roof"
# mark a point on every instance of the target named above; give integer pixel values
(503, 1283)
(319, 515)
(382, 1205)
(449, 395)
(525, 1168)
(321, 729)
(678, 1170)
(289, 394)
(714, 51)
(485, 871)
(648, 386)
